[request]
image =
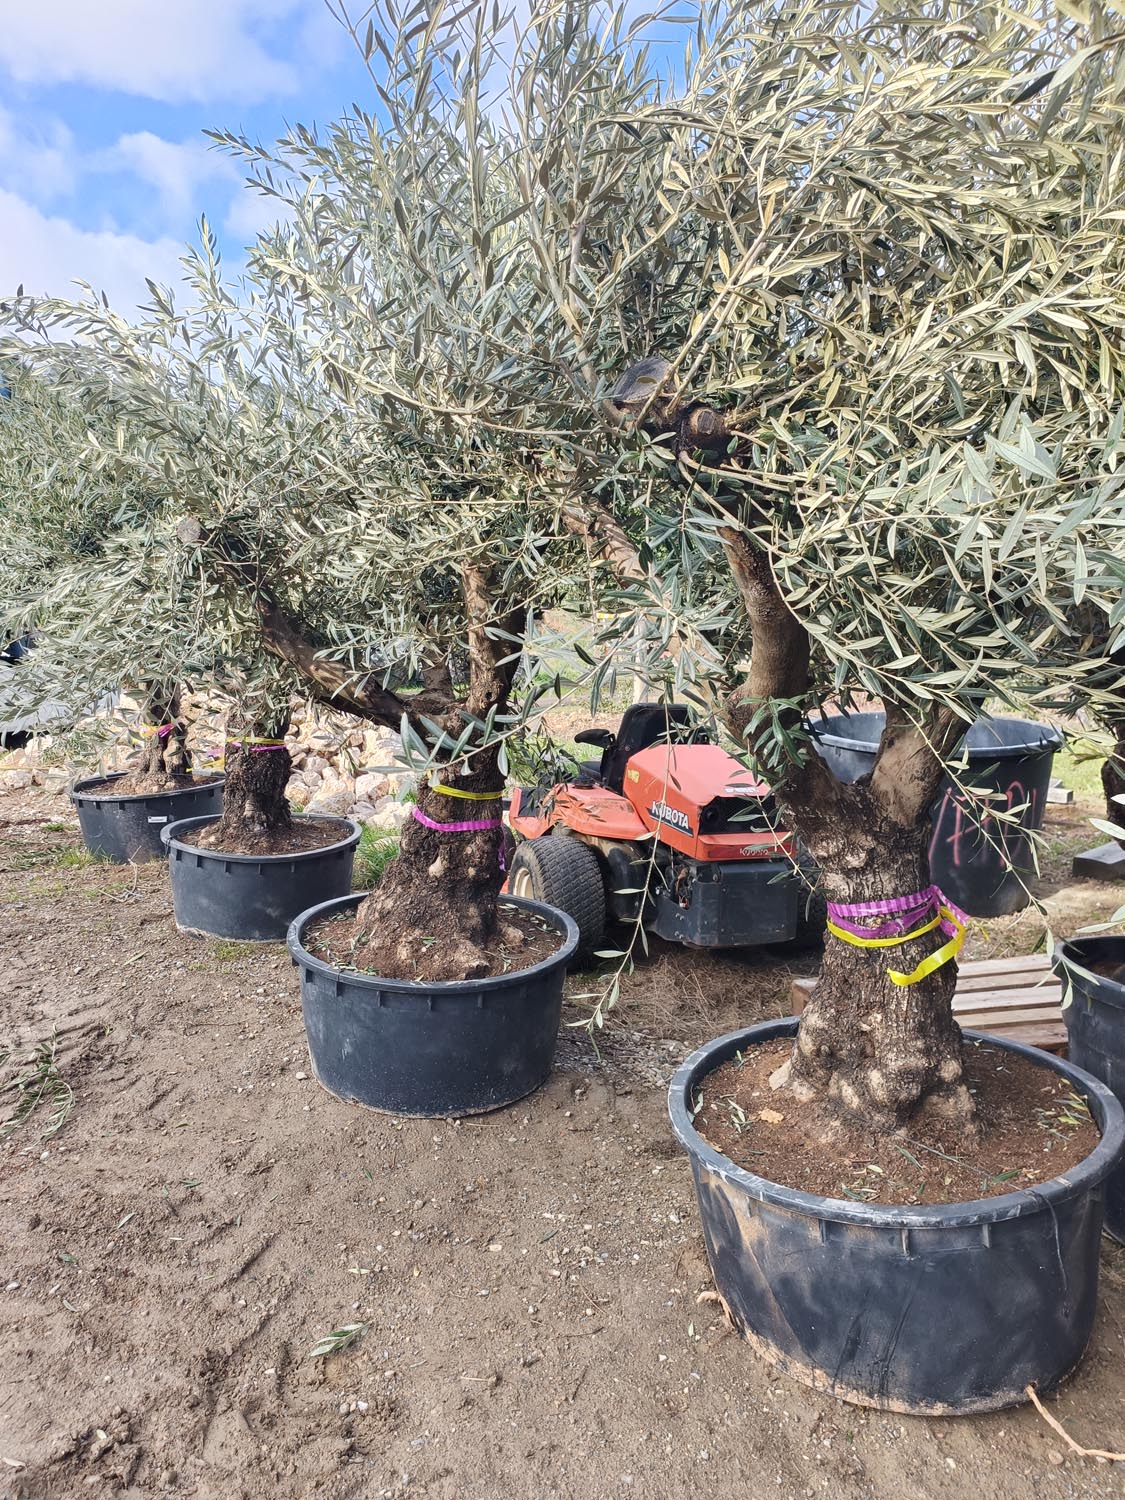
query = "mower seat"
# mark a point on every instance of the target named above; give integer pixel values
(642, 725)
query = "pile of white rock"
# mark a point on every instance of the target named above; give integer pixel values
(351, 772)
(339, 767)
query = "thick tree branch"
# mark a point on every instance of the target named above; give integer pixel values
(609, 542)
(493, 640)
(911, 761)
(329, 682)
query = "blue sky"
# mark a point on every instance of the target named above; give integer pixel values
(104, 170)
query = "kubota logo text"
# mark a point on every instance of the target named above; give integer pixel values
(665, 814)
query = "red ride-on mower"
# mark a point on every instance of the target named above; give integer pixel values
(723, 875)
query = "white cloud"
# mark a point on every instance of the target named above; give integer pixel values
(175, 169)
(172, 49)
(36, 157)
(46, 254)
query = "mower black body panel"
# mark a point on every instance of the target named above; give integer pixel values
(729, 903)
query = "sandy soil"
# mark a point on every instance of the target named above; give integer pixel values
(528, 1279)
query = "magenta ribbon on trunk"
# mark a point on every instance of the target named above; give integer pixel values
(906, 917)
(903, 913)
(473, 825)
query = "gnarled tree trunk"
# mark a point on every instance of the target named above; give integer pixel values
(258, 767)
(438, 897)
(885, 1052)
(165, 761)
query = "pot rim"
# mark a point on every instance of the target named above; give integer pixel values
(1067, 968)
(1050, 737)
(169, 840)
(1086, 1175)
(76, 791)
(301, 956)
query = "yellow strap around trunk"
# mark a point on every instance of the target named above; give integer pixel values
(455, 791)
(928, 965)
(933, 960)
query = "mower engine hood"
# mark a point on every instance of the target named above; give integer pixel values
(693, 797)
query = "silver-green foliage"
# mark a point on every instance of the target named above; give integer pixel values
(909, 228)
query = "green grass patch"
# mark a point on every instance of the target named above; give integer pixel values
(376, 849)
(77, 859)
(226, 951)
(1080, 771)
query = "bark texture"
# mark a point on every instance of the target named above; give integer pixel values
(439, 895)
(165, 761)
(255, 808)
(886, 1052)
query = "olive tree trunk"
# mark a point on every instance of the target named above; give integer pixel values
(437, 898)
(164, 762)
(884, 1052)
(258, 767)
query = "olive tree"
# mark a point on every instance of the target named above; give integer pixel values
(360, 452)
(895, 420)
(82, 577)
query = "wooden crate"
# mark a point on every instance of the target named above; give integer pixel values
(1017, 998)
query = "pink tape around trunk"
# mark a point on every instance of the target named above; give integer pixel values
(903, 913)
(475, 825)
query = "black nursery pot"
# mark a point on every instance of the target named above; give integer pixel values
(455, 1048)
(127, 829)
(942, 1309)
(253, 897)
(980, 863)
(1095, 1028)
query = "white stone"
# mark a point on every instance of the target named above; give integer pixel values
(369, 788)
(389, 814)
(330, 804)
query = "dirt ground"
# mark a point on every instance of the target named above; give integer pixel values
(528, 1279)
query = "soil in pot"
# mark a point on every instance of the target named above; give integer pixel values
(297, 838)
(146, 784)
(522, 939)
(1032, 1127)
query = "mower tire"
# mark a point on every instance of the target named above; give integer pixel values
(564, 873)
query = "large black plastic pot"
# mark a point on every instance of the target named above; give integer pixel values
(941, 1309)
(1095, 1028)
(981, 863)
(128, 829)
(456, 1048)
(254, 896)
